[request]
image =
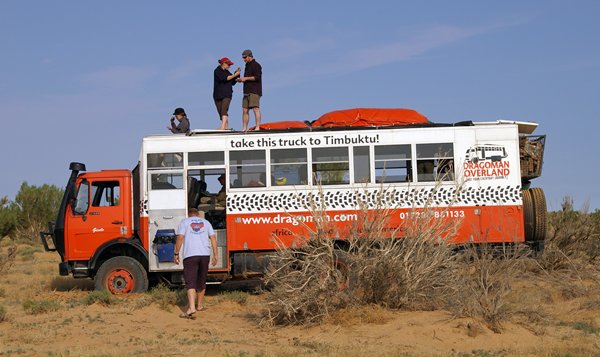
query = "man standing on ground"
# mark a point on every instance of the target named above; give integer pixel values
(197, 236)
(252, 80)
(223, 89)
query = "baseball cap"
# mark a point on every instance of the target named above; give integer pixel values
(225, 60)
(179, 111)
(247, 53)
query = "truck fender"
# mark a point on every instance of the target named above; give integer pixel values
(119, 247)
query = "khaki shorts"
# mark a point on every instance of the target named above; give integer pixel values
(251, 101)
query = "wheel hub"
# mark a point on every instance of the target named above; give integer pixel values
(120, 282)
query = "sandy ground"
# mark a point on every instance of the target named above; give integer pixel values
(547, 321)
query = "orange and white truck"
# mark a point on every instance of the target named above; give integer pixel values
(116, 226)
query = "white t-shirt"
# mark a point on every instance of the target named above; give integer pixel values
(196, 234)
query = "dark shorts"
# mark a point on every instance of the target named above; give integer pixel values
(222, 106)
(195, 271)
(251, 101)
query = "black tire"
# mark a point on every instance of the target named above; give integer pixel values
(121, 275)
(528, 216)
(539, 205)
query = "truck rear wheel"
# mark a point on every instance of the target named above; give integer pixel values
(121, 275)
(529, 216)
(539, 204)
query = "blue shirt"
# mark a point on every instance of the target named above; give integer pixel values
(196, 234)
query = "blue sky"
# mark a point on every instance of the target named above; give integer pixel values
(86, 80)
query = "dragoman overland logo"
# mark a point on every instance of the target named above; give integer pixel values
(196, 227)
(485, 162)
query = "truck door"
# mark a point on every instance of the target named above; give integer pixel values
(97, 215)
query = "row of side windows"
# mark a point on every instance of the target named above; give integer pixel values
(329, 166)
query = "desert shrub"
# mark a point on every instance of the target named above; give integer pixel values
(163, 296)
(102, 297)
(486, 275)
(312, 281)
(26, 252)
(573, 238)
(305, 284)
(7, 258)
(35, 307)
(2, 313)
(240, 297)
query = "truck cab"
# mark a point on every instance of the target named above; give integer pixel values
(95, 226)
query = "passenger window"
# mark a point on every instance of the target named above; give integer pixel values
(330, 166)
(105, 193)
(165, 160)
(166, 181)
(288, 167)
(435, 162)
(393, 163)
(248, 168)
(362, 165)
(206, 158)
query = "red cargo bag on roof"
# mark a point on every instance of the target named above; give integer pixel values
(370, 117)
(283, 125)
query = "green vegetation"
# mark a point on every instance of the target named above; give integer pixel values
(102, 297)
(30, 212)
(35, 307)
(240, 297)
(163, 296)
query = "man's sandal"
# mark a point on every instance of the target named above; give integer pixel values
(185, 315)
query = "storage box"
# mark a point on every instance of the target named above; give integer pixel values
(164, 242)
(165, 252)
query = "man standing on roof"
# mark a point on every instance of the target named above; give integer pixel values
(223, 89)
(184, 123)
(252, 80)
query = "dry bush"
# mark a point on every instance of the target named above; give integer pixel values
(2, 313)
(533, 318)
(356, 315)
(30, 233)
(7, 259)
(486, 276)
(311, 282)
(573, 239)
(305, 284)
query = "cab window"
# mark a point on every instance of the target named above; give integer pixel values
(105, 193)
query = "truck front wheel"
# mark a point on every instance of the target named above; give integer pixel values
(121, 275)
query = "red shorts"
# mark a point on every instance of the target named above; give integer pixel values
(195, 271)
